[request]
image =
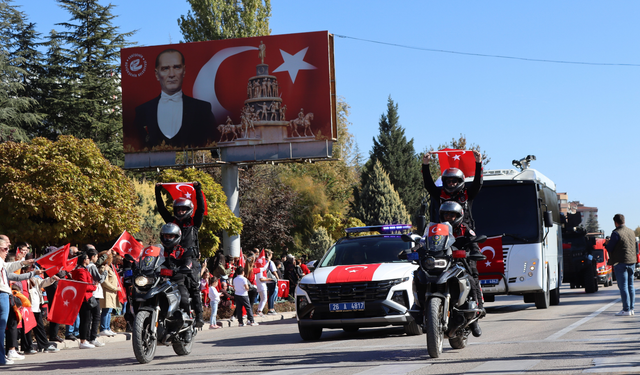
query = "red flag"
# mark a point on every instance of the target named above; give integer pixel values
(28, 318)
(283, 288)
(262, 260)
(126, 244)
(55, 260)
(66, 304)
(185, 190)
(122, 293)
(464, 160)
(71, 264)
(241, 260)
(493, 266)
(151, 251)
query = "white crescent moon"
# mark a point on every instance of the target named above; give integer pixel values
(489, 248)
(178, 186)
(121, 249)
(204, 88)
(52, 255)
(72, 288)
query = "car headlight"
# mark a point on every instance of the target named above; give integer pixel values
(143, 281)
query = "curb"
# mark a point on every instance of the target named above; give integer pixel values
(226, 323)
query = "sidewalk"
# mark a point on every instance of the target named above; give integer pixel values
(226, 323)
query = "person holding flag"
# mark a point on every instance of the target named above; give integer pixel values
(36, 284)
(453, 186)
(189, 220)
(87, 309)
(110, 288)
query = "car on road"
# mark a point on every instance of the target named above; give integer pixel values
(359, 282)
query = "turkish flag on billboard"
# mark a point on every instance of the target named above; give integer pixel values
(283, 288)
(28, 318)
(122, 293)
(276, 78)
(493, 266)
(54, 261)
(126, 244)
(464, 160)
(66, 304)
(185, 190)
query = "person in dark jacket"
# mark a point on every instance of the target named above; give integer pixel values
(453, 189)
(622, 255)
(189, 225)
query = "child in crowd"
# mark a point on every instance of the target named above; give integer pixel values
(214, 296)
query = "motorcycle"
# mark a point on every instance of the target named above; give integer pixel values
(442, 285)
(156, 305)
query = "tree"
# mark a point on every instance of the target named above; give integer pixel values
(336, 225)
(90, 50)
(319, 244)
(592, 224)
(225, 19)
(379, 202)
(150, 220)
(398, 157)
(219, 217)
(65, 191)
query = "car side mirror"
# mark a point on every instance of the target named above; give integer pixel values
(548, 219)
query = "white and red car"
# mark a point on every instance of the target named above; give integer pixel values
(359, 282)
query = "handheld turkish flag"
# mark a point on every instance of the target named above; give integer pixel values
(28, 318)
(122, 293)
(464, 160)
(54, 261)
(493, 267)
(185, 190)
(71, 264)
(241, 260)
(283, 288)
(67, 302)
(126, 244)
(262, 260)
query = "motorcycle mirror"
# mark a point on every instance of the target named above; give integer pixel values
(406, 238)
(129, 257)
(481, 238)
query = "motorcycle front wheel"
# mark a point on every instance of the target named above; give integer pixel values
(435, 331)
(144, 346)
(184, 348)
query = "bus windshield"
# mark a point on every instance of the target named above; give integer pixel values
(510, 209)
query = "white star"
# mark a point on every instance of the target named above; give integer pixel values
(294, 63)
(188, 195)
(66, 303)
(488, 264)
(456, 157)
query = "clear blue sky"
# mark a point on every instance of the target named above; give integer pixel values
(580, 121)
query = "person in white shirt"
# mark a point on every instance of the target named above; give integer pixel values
(214, 299)
(241, 286)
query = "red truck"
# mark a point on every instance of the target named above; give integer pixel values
(605, 271)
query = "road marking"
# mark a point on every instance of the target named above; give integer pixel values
(615, 364)
(298, 370)
(504, 367)
(393, 369)
(580, 322)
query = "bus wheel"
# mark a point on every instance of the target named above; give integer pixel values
(543, 299)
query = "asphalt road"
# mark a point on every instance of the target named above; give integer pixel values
(581, 335)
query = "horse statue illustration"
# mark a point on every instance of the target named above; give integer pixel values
(305, 121)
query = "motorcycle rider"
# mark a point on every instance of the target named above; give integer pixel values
(453, 189)
(189, 225)
(453, 213)
(179, 259)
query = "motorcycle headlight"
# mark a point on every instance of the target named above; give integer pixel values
(431, 263)
(143, 281)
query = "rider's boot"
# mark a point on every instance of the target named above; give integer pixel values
(475, 329)
(197, 307)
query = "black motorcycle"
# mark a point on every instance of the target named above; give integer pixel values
(442, 285)
(156, 305)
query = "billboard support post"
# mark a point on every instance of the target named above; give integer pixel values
(230, 182)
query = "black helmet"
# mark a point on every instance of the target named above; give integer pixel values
(173, 229)
(453, 207)
(182, 202)
(455, 174)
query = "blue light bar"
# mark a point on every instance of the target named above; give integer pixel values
(379, 228)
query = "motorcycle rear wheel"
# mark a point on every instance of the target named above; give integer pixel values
(435, 331)
(182, 348)
(144, 347)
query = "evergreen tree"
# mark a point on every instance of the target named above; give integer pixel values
(91, 51)
(225, 19)
(319, 244)
(398, 157)
(592, 224)
(380, 203)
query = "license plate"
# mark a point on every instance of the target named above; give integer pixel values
(346, 306)
(489, 282)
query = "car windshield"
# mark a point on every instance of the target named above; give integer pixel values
(365, 250)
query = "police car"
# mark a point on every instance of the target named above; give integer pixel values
(359, 282)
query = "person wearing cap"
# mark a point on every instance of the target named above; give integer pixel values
(453, 188)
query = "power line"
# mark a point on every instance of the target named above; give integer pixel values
(485, 55)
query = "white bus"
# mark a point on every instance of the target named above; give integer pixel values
(522, 207)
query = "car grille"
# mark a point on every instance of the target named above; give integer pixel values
(350, 292)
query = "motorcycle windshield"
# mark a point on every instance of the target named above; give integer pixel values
(439, 236)
(152, 257)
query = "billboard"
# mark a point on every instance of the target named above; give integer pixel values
(259, 98)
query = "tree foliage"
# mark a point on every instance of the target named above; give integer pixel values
(150, 220)
(379, 202)
(319, 244)
(336, 224)
(64, 191)
(398, 157)
(225, 19)
(592, 225)
(219, 217)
